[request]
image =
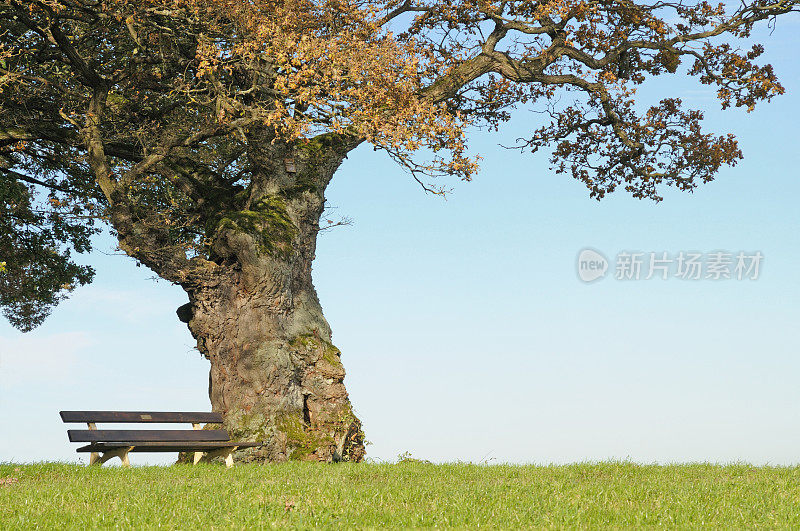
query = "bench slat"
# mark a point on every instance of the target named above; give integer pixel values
(141, 416)
(165, 446)
(147, 435)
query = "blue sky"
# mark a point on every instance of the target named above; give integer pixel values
(464, 328)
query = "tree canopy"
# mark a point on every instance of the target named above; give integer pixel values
(147, 116)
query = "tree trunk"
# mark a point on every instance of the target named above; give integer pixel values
(275, 375)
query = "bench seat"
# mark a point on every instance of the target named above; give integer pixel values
(165, 446)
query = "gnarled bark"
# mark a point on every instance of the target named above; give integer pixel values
(275, 374)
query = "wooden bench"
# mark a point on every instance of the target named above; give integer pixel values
(107, 444)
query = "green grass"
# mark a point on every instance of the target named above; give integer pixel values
(405, 495)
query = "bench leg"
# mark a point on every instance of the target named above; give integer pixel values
(122, 453)
(226, 453)
(197, 455)
(94, 455)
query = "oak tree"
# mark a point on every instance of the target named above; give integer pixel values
(203, 134)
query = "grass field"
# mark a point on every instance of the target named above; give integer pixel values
(405, 495)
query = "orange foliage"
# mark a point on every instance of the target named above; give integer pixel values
(412, 77)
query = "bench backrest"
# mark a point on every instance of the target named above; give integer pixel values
(129, 417)
(164, 417)
(146, 435)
